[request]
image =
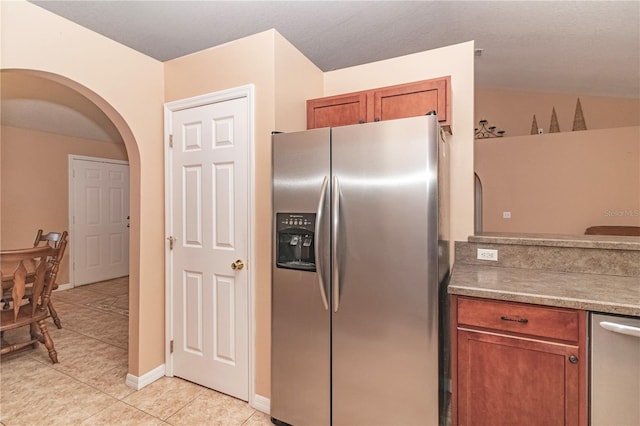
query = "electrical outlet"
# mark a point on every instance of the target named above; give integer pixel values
(488, 254)
(506, 215)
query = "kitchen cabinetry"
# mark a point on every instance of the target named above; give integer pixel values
(515, 363)
(384, 103)
(336, 111)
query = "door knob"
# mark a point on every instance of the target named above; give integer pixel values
(238, 264)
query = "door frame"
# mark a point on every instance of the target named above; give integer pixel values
(247, 92)
(72, 200)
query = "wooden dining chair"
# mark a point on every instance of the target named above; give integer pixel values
(31, 270)
(51, 239)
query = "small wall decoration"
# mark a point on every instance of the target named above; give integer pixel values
(486, 131)
(554, 127)
(578, 118)
(534, 126)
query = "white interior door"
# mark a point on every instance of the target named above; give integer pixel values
(209, 224)
(99, 220)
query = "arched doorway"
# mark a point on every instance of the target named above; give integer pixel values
(83, 97)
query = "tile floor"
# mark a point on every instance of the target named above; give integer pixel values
(87, 386)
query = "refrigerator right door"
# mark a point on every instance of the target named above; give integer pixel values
(385, 277)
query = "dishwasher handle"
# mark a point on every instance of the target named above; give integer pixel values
(621, 328)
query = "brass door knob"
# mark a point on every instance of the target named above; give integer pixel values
(238, 264)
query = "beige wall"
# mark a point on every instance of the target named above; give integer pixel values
(296, 80)
(513, 110)
(127, 86)
(283, 79)
(456, 61)
(35, 174)
(562, 182)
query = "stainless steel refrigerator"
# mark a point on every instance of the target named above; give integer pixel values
(360, 252)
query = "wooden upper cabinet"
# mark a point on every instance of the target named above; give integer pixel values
(334, 111)
(384, 103)
(413, 99)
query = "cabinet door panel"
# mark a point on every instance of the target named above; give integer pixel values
(410, 100)
(337, 111)
(503, 380)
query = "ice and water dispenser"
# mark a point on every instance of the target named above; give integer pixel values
(295, 241)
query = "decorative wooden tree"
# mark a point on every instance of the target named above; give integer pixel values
(534, 126)
(578, 118)
(554, 127)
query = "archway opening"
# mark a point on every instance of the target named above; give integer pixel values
(64, 99)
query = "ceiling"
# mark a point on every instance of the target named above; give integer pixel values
(581, 47)
(32, 102)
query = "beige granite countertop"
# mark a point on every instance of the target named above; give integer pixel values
(590, 292)
(552, 240)
(592, 273)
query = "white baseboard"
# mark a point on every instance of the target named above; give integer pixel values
(261, 403)
(66, 286)
(146, 379)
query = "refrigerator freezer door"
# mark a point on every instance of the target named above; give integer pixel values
(300, 359)
(385, 331)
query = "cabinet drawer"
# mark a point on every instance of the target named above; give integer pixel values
(533, 320)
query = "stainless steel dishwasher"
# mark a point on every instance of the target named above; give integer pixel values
(615, 370)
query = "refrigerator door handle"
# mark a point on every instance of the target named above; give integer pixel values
(317, 248)
(335, 217)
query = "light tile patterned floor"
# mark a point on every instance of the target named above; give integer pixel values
(87, 386)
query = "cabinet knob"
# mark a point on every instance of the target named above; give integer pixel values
(376, 119)
(573, 359)
(361, 122)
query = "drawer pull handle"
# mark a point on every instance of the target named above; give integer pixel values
(522, 320)
(573, 359)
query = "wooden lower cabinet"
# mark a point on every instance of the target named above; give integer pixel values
(517, 364)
